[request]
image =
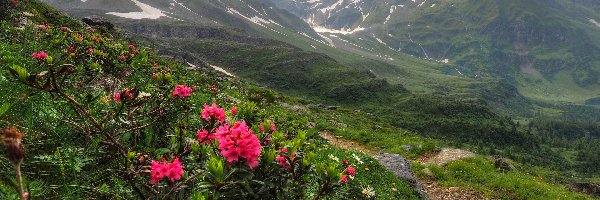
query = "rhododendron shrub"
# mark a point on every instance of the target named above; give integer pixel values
(239, 142)
(163, 130)
(213, 113)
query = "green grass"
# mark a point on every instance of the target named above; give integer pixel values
(370, 174)
(562, 88)
(480, 174)
(374, 133)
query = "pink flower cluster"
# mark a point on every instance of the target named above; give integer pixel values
(127, 94)
(234, 110)
(182, 91)
(41, 56)
(163, 169)
(283, 161)
(213, 112)
(239, 142)
(204, 137)
(349, 171)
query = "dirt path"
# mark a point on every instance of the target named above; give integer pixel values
(345, 143)
(401, 167)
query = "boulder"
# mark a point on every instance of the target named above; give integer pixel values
(401, 167)
(503, 164)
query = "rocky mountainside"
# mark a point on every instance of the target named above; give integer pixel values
(244, 15)
(545, 48)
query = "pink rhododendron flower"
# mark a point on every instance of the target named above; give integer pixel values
(213, 112)
(182, 91)
(157, 172)
(160, 170)
(122, 57)
(344, 179)
(64, 28)
(131, 47)
(239, 142)
(284, 150)
(117, 97)
(234, 110)
(136, 51)
(351, 171)
(283, 162)
(273, 127)
(40, 56)
(154, 75)
(204, 137)
(175, 170)
(90, 50)
(125, 95)
(214, 88)
(262, 128)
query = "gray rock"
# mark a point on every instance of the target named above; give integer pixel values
(401, 167)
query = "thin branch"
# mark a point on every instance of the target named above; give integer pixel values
(180, 184)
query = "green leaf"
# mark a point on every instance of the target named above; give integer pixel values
(4, 108)
(18, 72)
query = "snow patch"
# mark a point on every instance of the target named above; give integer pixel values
(392, 8)
(332, 6)
(214, 67)
(593, 21)
(148, 12)
(257, 20)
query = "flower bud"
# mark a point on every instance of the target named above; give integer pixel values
(12, 141)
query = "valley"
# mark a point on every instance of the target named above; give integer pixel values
(516, 80)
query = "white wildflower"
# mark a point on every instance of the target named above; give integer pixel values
(144, 94)
(332, 157)
(368, 191)
(360, 162)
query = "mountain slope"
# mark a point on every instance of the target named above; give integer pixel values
(545, 48)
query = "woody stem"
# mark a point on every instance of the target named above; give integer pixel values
(19, 180)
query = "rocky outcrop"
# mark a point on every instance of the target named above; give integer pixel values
(592, 189)
(401, 167)
(98, 22)
(447, 155)
(503, 164)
